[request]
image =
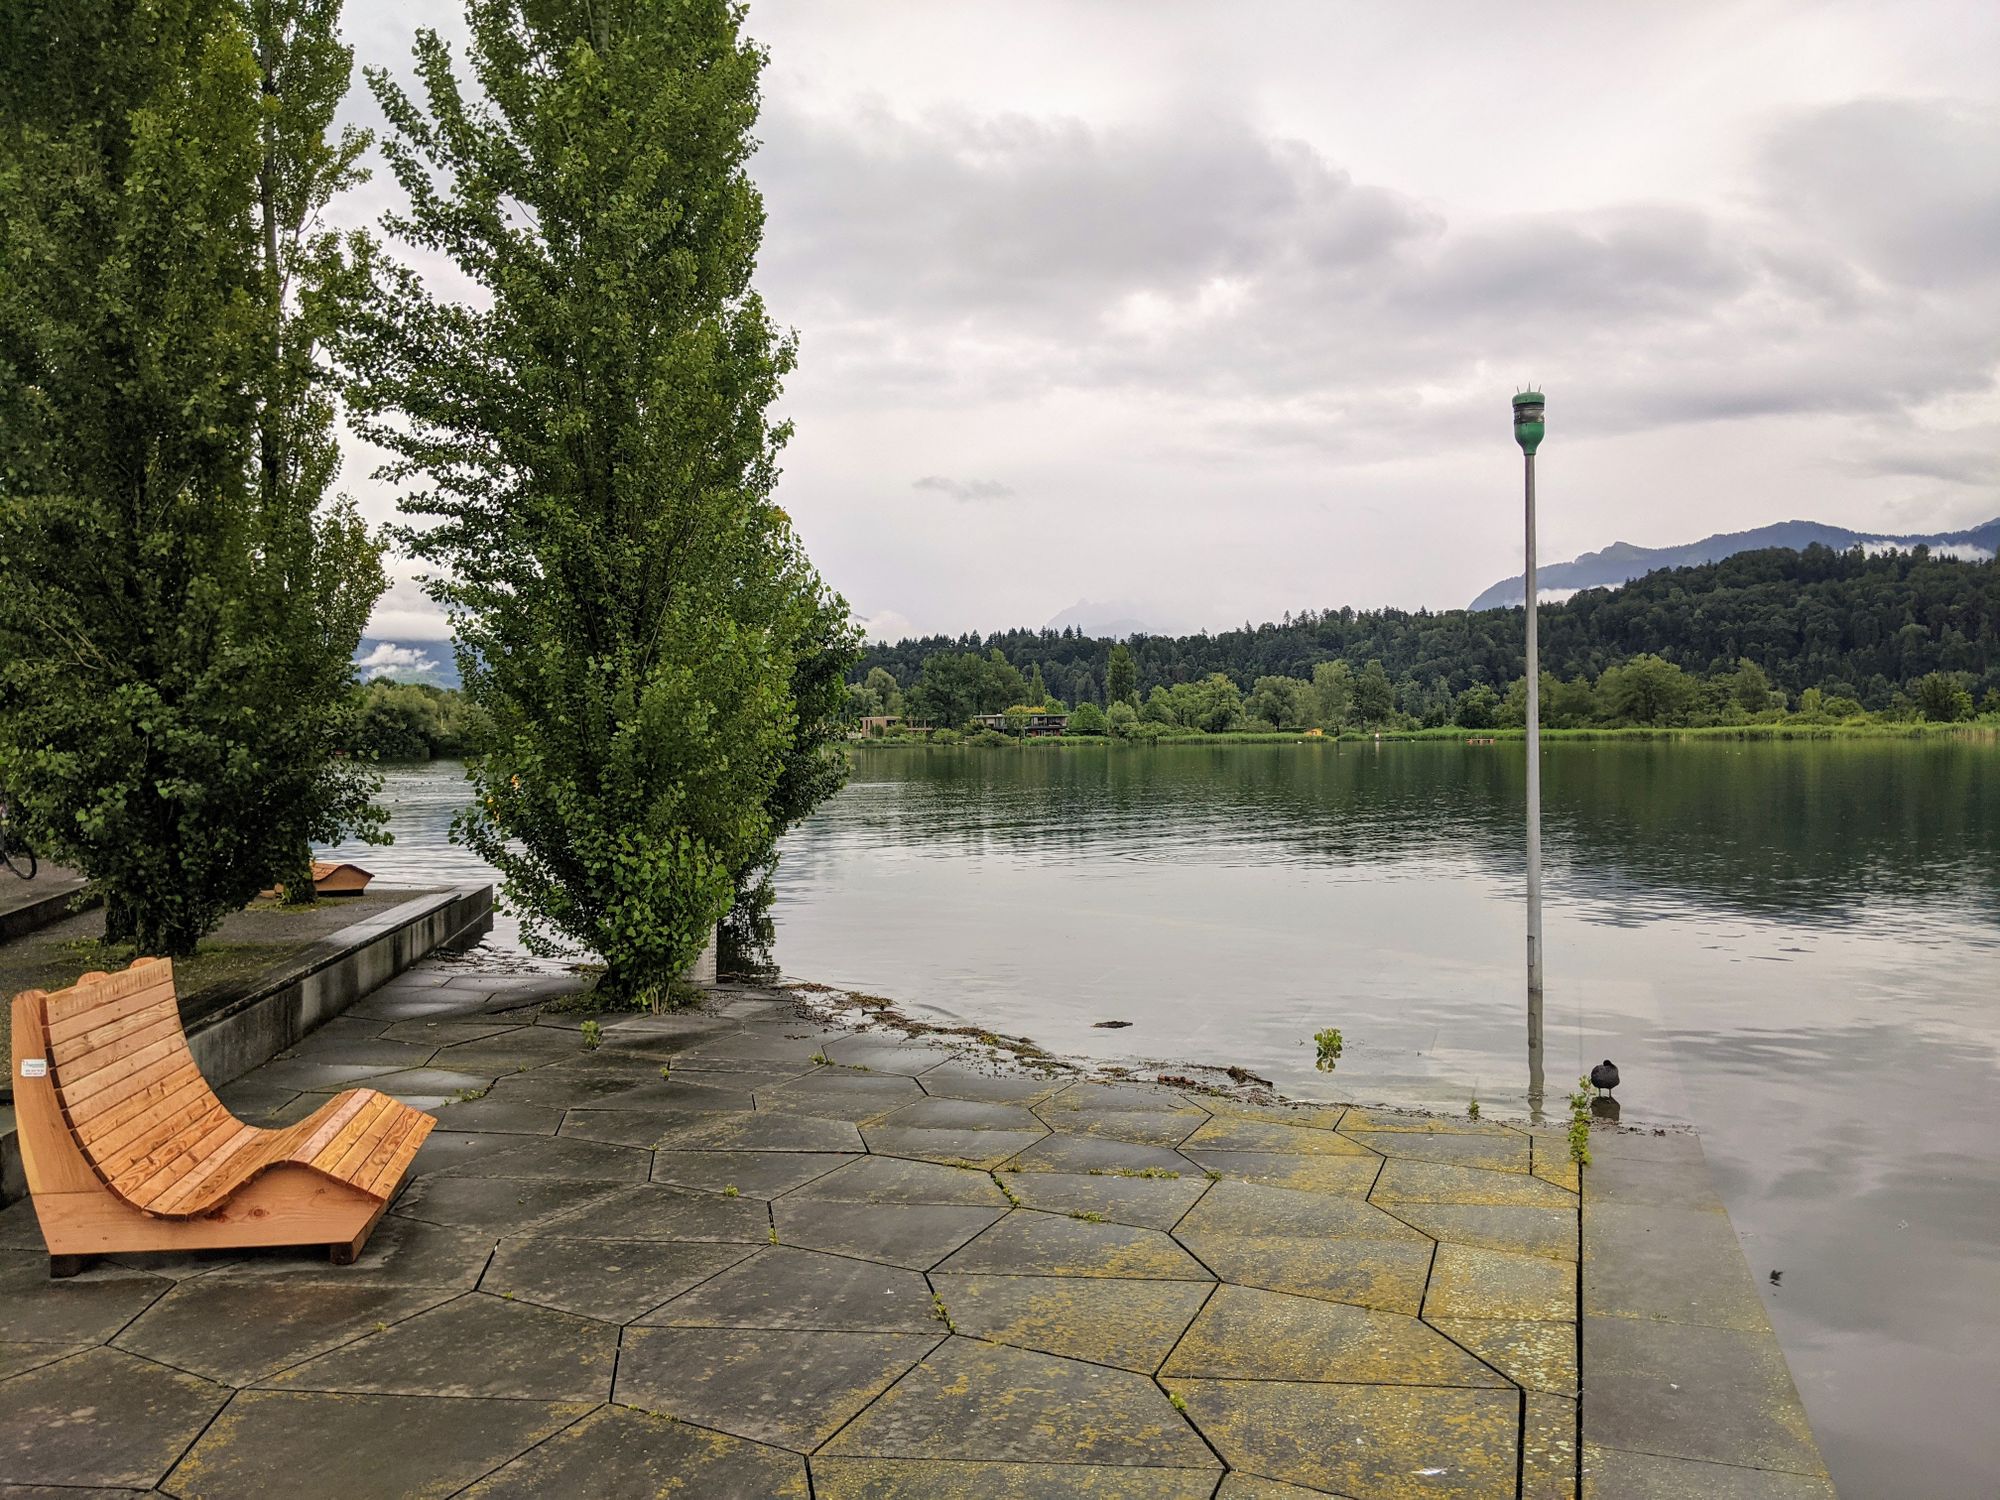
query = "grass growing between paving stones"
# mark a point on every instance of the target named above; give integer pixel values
(1579, 1123)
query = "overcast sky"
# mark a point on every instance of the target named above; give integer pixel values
(1206, 311)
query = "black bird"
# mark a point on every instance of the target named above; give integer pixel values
(1604, 1076)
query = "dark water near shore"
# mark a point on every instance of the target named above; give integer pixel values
(1794, 947)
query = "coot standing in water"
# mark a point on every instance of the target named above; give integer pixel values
(1604, 1076)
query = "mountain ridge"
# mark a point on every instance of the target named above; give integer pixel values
(1621, 562)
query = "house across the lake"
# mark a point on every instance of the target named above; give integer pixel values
(1037, 725)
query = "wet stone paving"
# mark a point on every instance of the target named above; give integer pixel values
(739, 1252)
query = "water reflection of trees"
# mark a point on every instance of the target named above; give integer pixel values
(1814, 830)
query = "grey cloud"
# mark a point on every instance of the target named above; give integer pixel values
(963, 489)
(1911, 185)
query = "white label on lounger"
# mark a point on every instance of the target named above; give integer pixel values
(34, 1067)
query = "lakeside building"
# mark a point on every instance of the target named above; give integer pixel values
(1038, 725)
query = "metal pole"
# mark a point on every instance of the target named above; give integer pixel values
(1535, 1079)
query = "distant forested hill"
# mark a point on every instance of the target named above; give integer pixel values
(1851, 624)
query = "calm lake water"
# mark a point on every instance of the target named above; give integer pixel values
(1793, 947)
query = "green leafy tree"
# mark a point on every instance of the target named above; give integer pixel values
(1036, 695)
(1120, 717)
(1121, 676)
(183, 600)
(1212, 705)
(1374, 695)
(1943, 698)
(1647, 690)
(1158, 707)
(1089, 719)
(1283, 702)
(1333, 694)
(1750, 687)
(593, 450)
(888, 696)
(1478, 707)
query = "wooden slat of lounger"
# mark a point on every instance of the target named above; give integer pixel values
(216, 1179)
(389, 1122)
(79, 1012)
(111, 1120)
(78, 1098)
(326, 1159)
(328, 1123)
(81, 1053)
(146, 1178)
(89, 1072)
(147, 1134)
(170, 1086)
(385, 1165)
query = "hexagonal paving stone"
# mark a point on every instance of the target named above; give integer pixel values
(1066, 1151)
(1360, 1439)
(1247, 1208)
(1471, 1283)
(754, 1174)
(965, 1114)
(236, 1330)
(1144, 1127)
(907, 1058)
(1109, 1321)
(1551, 1232)
(475, 1345)
(1389, 1121)
(914, 1235)
(1494, 1153)
(495, 1115)
(568, 1160)
(1351, 1175)
(658, 1212)
(444, 1033)
(1548, 1449)
(1536, 1356)
(784, 1287)
(1385, 1274)
(765, 1130)
(970, 1400)
(100, 1418)
(1039, 1244)
(957, 1080)
(687, 1094)
(313, 1445)
(841, 1094)
(1246, 1334)
(615, 1280)
(619, 1451)
(791, 1387)
(499, 1205)
(629, 1127)
(429, 1083)
(1091, 1095)
(1436, 1182)
(401, 1252)
(509, 1052)
(1146, 1202)
(83, 1309)
(891, 1179)
(19, 1356)
(928, 1478)
(1228, 1133)
(984, 1149)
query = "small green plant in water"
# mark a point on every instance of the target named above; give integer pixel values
(593, 1035)
(1013, 1200)
(1579, 1123)
(1329, 1043)
(820, 1060)
(942, 1314)
(1472, 1109)
(730, 1191)
(667, 1072)
(1175, 1399)
(774, 1234)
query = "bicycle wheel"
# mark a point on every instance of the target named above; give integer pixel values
(21, 861)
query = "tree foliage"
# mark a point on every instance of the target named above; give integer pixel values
(590, 440)
(1855, 626)
(182, 598)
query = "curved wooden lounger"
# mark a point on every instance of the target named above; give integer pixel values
(127, 1148)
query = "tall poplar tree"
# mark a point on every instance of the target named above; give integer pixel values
(592, 461)
(175, 631)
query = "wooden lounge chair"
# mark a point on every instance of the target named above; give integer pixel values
(127, 1148)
